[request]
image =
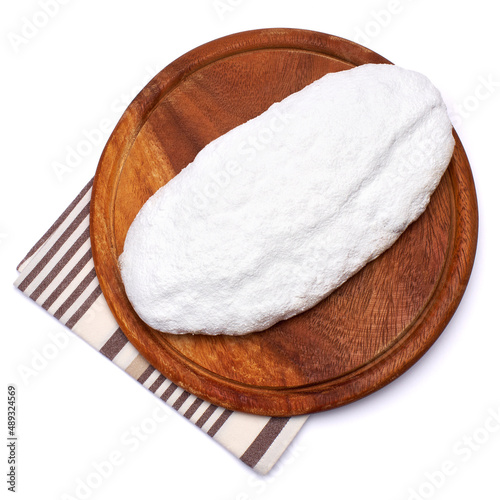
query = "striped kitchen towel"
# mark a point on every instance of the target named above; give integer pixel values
(58, 274)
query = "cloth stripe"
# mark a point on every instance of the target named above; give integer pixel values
(114, 344)
(168, 392)
(69, 288)
(72, 298)
(136, 367)
(157, 383)
(60, 265)
(68, 279)
(84, 307)
(126, 356)
(280, 443)
(60, 242)
(180, 400)
(263, 441)
(219, 422)
(190, 411)
(206, 415)
(147, 372)
(58, 273)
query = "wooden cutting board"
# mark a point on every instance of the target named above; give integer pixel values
(366, 333)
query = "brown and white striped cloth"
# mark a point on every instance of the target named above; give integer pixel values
(58, 274)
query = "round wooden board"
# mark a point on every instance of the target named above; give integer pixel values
(366, 333)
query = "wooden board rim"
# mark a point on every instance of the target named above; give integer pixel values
(235, 395)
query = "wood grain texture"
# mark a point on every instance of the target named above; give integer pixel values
(366, 333)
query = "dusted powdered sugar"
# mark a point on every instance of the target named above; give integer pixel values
(271, 217)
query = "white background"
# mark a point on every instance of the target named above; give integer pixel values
(89, 60)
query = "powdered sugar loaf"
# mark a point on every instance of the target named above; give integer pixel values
(271, 217)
